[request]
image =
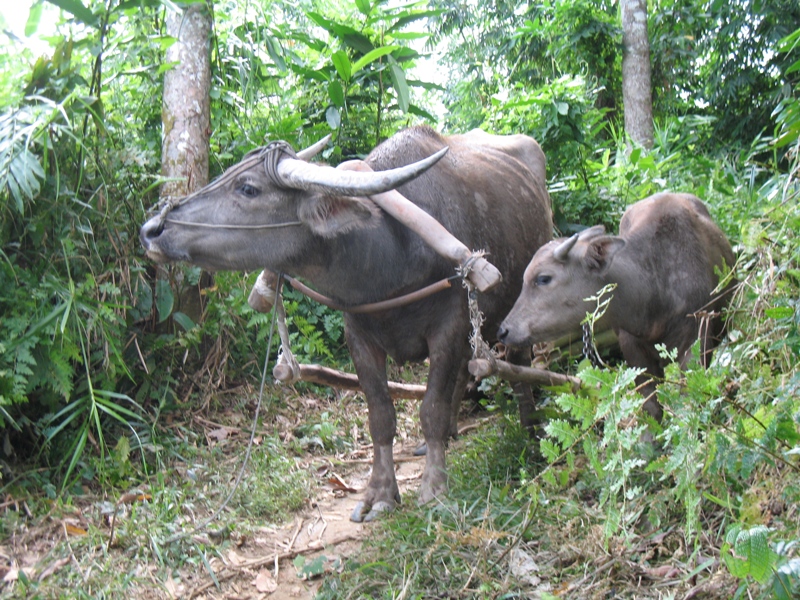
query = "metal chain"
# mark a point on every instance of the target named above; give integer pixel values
(589, 349)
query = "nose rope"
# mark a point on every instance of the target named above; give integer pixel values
(232, 226)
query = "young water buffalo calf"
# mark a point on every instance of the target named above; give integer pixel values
(666, 263)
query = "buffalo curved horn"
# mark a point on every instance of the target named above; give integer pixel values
(561, 252)
(301, 175)
(314, 149)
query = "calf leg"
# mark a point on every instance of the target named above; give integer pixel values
(382, 493)
(638, 353)
(522, 391)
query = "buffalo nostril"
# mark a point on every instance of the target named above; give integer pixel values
(502, 334)
(150, 231)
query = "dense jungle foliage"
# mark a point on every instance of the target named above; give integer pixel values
(96, 352)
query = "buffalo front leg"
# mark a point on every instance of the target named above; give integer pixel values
(382, 493)
(523, 391)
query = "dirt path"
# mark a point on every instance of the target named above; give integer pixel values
(318, 541)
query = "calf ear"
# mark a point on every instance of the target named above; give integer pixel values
(330, 216)
(600, 252)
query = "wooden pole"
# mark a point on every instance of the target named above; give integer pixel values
(346, 381)
(483, 274)
(481, 367)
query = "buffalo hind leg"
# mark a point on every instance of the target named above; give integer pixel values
(455, 407)
(448, 369)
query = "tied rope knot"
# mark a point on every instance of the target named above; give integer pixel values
(272, 154)
(480, 349)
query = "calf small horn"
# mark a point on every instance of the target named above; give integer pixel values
(562, 251)
(301, 175)
(314, 149)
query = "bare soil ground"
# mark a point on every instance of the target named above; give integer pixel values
(258, 562)
(323, 535)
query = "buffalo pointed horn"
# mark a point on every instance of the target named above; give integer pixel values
(314, 149)
(561, 252)
(301, 175)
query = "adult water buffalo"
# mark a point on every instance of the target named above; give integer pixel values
(666, 263)
(318, 224)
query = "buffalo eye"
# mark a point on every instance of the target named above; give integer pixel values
(543, 280)
(249, 190)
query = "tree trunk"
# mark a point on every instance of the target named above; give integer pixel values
(186, 103)
(636, 91)
(186, 121)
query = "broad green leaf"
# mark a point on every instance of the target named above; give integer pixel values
(274, 50)
(416, 110)
(320, 20)
(372, 56)
(779, 312)
(165, 299)
(333, 117)
(410, 16)
(336, 93)
(400, 85)
(183, 320)
(357, 41)
(342, 64)
(34, 17)
(364, 6)
(78, 10)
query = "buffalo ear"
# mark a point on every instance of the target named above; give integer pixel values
(600, 252)
(330, 216)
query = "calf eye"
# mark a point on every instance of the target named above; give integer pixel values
(543, 280)
(249, 190)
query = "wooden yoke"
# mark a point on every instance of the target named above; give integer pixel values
(483, 274)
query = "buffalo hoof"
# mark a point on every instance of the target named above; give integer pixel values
(432, 488)
(421, 450)
(363, 513)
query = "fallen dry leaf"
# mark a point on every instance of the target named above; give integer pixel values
(339, 484)
(265, 583)
(523, 567)
(13, 574)
(234, 558)
(133, 497)
(663, 572)
(74, 530)
(220, 434)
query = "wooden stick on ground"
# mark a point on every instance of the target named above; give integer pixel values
(346, 381)
(481, 367)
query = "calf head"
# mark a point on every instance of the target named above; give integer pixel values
(562, 274)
